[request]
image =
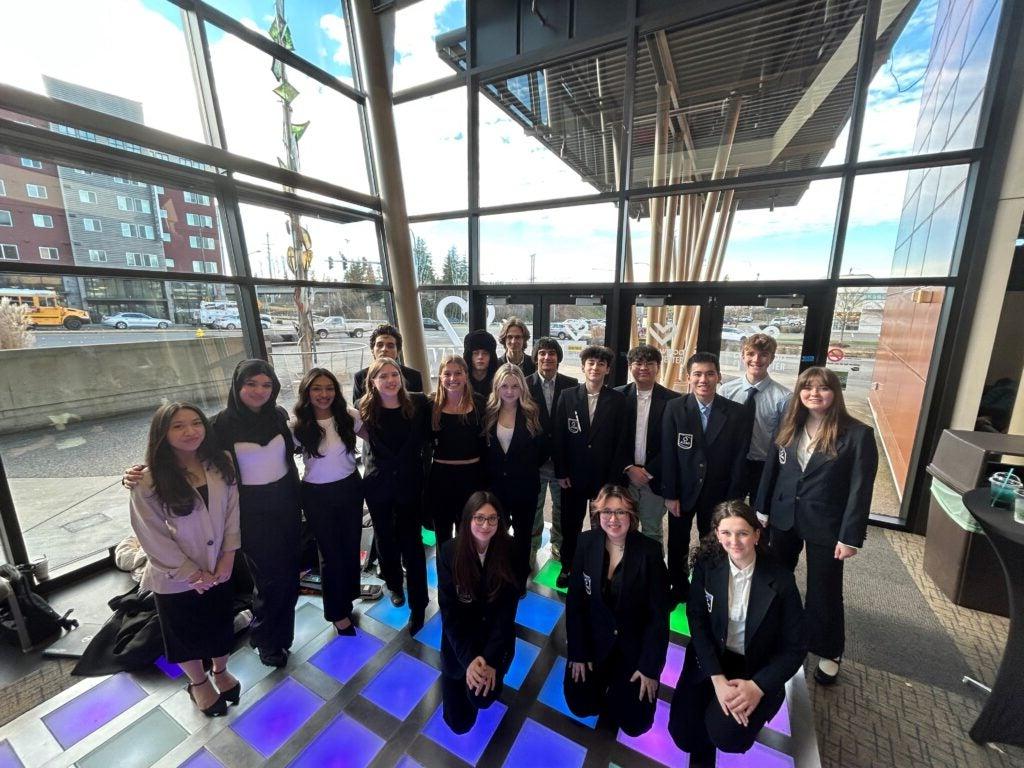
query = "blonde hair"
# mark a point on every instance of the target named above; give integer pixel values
(441, 395)
(371, 404)
(834, 422)
(526, 404)
(612, 491)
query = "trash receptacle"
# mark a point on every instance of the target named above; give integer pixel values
(957, 555)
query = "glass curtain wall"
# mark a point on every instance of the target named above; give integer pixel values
(143, 274)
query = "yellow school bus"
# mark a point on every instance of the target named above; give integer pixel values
(45, 308)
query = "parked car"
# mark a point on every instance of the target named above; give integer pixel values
(123, 320)
(338, 326)
(729, 333)
(234, 322)
(568, 329)
(430, 324)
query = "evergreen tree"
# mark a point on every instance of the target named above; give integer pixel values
(456, 268)
(424, 262)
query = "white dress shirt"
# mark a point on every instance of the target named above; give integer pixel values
(769, 408)
(643, 414)
(739, 599)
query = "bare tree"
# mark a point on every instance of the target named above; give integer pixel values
(849, 302)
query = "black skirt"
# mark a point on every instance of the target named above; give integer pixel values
(197, 626)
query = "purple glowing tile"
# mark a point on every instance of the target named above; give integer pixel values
(553, 693)
(673, 665)
(536, 745)
(344, 655)
(342, 744)
(96, 707)
(407, 762)
(8, 758)
(539, 613)
(432, 573)
(386, 613)
(780, 722)
(758, 756)
(202, 759)
(431, 632)
(469, 746)
(398, 688)
(656, 743)
(173, 671)
(277, 716)
(522, 662)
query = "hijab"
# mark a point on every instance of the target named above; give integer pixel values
(239, 424)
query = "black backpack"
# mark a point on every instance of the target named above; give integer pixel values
(41, 621)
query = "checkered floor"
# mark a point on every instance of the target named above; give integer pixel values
(372, 700)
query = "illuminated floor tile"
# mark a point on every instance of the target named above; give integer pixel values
(656, 743)
(246, 666)
(173, 671)
(553, 694)
(344, 656)
(398, 688)
(8, 758)
(431, 632)
(673, 665)
(522, 662)
(678, 622)
(277, 716)
(309, 622)
(536, 745)
(432, 573)
(139, 745)
(386, 613)
(540, 614)
(547, 576)
(469, 746)
(88, 711)
(407, 762)
(780, 722)
(342, 744)
(202, 759)
(429, 537)
(758, 756)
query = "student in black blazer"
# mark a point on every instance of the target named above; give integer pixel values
(397, 429)
(816, 491)
(645, 406)
(477, 593)
(703, 465)
(588, 448)
(515, 450)
(513, 337)
(546, 385)
(385, 341)
(747, 639)
(616, 618)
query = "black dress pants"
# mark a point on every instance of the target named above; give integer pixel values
(460, 705)
(826, 622)
(754, 471)
(575, 503)
(449, 487)
(270, 523)
(396, 527)
(607, 693)
(520, 508)
(335, 515)
(679, 547)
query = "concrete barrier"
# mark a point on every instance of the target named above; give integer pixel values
(48, 386)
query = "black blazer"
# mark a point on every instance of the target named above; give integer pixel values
(775, 639)
(527, 366)
(514, 477)
(413, 382)
(547, 419)
(590, 455)
(709, 467)
(397, 476)
(473, 627)
(659, 398)
(638, 622)
(830, 500)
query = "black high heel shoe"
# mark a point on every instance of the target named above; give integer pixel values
(217, 709)
(232, 694)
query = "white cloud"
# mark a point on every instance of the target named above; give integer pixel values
(415, 29)
(334, 27)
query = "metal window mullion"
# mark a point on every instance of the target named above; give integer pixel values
(237, 253)
(202, 76)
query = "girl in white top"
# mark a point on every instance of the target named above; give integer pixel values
(325, 429)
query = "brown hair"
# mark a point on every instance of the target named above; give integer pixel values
(370, 404)
(465, 564)
(612, 491)
(708, 547)
(513, 322)
(762, 342)
(467, 405)
(835, 422)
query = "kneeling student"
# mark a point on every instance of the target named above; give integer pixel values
(478, 593)
(747, 639)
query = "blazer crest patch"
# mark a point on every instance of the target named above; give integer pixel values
(710, 599)
(782, 455)
(586, 582)
(684, 440)
(574, 424)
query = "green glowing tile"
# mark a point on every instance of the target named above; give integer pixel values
(548, 574)
(429, 538)
(677, 620)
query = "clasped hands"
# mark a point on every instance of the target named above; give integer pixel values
(480, 676)
(737, 698)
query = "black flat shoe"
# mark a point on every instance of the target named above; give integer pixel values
(821, 677)
(415, 623)
(562, 582)
(274, 658)
(232, 694)
(349, 631)
(398, 598)
(217, 709)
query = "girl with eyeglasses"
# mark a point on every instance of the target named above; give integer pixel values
(816, 493)
(617, 621)
(477, 591)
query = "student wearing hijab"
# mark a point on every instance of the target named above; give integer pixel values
(480, 352)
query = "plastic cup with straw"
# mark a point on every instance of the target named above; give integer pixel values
(1001, 491)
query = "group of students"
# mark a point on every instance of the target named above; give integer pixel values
(478, 458)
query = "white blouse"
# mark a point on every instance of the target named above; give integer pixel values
(505, 436)
(336, 462)
(262, 464)
(739, 599)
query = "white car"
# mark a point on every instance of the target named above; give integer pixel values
(578, 330)
(123, 320)
(340, 326)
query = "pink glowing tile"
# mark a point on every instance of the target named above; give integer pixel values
(656, 743)
(780, 722)
(758, 756)
(673, 665)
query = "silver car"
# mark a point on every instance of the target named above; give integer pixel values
(124, 320)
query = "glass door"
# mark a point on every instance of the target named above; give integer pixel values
(577, 322)
(671, 324)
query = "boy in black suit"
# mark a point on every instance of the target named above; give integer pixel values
(546, 385)
(385, 341)
(513, 337)
(588, 445)
(704, 449)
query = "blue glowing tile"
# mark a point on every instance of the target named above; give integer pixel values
(8, 757)
(344, 655)
(342, 744)
(673, 665)
(539, 613)
(431, 632)
(202, 759)
(758, 756)
(536, 745)
(656, 743)
(553, 694)
(88, 711)
(386, 613)
(522, 662)
(469, 746)
(780, 722)
(407, 762)
(173, 671)
(398, 688)
(432, 573)
(277, 716)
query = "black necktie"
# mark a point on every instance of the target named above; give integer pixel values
(750, 404)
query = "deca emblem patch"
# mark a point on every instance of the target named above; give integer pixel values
(684, 440)
(586, 583)
(782, 455)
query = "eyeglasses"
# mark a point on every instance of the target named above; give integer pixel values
(485, 521)
(610, 513)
